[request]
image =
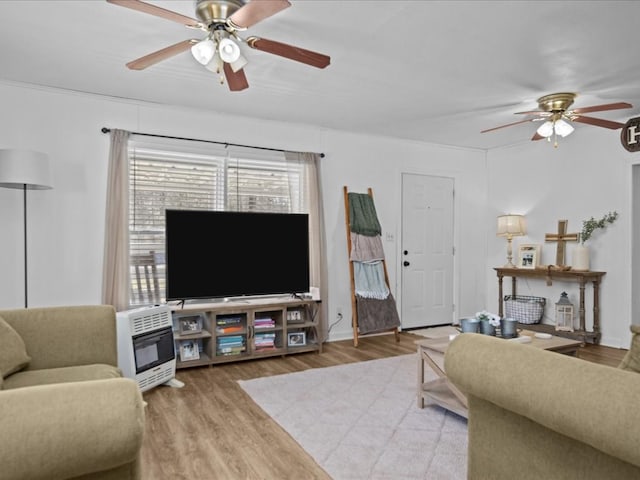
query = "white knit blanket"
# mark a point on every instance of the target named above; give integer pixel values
(369, 280)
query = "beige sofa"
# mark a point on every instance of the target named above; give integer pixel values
(65, 410)
(535, 414)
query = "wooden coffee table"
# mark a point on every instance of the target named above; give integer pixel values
(444, 393)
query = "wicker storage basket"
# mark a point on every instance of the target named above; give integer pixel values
(524, 308)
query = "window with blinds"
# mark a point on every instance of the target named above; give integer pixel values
(183, 174)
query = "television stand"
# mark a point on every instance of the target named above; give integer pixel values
(246, 329)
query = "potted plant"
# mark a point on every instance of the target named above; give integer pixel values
(581, 251)
(488, 322)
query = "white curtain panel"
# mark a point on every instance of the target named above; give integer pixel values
(115, 282)
(317, 247)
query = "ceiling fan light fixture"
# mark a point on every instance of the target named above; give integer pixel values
(229, 50)
(546, 129)
(215, 65)
(204, 51)
(239, 64)
(220, 20)
(563, 128)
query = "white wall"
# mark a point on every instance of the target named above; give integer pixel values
(66, 224)
(361, 162)
(589, 174)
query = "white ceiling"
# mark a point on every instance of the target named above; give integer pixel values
(434, 71)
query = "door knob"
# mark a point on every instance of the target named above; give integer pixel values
(405, 263)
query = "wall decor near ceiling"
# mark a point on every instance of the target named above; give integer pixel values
(630, 135)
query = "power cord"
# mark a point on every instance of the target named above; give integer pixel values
(335, 323)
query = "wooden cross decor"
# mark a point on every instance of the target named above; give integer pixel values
(561, 237)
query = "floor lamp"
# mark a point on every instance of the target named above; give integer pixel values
(26, 170)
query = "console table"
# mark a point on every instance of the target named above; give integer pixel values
(563, 275)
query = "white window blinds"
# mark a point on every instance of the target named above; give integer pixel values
(184, 174)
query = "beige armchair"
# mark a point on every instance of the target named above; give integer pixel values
(66, 411)
(631, 360)
(536, 414)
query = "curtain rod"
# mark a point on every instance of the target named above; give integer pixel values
(107, 130)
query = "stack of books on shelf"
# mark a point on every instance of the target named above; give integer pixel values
(226, 325)
(230, 345)
(265, 341)
(264, 323)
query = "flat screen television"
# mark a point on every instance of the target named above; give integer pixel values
(214, 254)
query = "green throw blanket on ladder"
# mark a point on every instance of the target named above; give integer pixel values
(362, 215)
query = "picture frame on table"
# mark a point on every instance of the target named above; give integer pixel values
(528, 255)
(189, 350)
(190, 325)
(296, 339)
(295, 316)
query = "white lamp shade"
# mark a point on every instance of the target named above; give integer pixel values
(511, 225)
(239, 64)
(215, 65)
(560, 127)
(546, 129)
(229, 50)
(24, 168)
(203, 51)
(563, 128)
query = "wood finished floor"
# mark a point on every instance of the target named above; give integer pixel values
(212, 430)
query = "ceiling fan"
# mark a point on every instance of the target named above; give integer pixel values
(220, 51)
(554, 111)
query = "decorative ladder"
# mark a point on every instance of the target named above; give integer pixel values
(354, 309)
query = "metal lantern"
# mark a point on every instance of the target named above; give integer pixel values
(564, 314)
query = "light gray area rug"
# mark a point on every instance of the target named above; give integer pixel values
(361, 421)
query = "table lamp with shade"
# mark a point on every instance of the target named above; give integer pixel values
(510, 226)
(25, 170)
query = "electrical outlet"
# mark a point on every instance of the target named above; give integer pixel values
(338, 311)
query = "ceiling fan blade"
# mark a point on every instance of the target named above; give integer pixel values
(537, 136)
(256, 11)
(155, 57)
(600, 108)
(236, 80)
(157, 11)
(598, 122)
(289, 51)
(533, 112)
(507, 125)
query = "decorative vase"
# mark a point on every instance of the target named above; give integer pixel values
(469, 325)
(581, 258)
(508, 327)
(486, 328)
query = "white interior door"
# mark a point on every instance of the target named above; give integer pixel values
(427, 251)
